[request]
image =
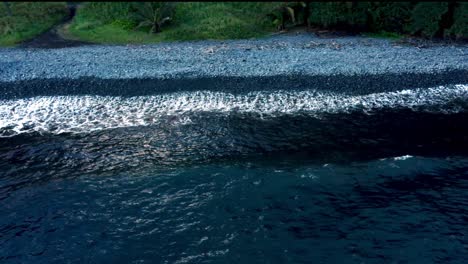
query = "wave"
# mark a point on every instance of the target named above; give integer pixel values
(80, 114)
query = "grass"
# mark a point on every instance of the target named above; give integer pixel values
(110, 34)
(112, 23)
(191, 21)
(384, 35)
(28, 19)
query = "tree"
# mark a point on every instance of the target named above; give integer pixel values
(426, 18)
(289, 12)
(153, 14)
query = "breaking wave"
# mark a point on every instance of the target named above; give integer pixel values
(78, 114)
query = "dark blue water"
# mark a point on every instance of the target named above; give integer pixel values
(302, 178)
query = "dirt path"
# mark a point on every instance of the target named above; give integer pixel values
(53, 39)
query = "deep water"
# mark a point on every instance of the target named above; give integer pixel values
(214, 177)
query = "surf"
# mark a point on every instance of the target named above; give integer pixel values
(86, 113)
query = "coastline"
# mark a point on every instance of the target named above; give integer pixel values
(347, 64)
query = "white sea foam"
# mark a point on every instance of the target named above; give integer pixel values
(57, 114)
(405, 157)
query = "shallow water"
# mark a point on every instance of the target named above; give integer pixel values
(261, 177)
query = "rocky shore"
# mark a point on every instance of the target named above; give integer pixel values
(294, 61)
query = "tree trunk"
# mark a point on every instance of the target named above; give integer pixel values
(447, 20)
(307, 14)
(156, 28)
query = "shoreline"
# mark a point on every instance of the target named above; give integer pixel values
(349, 64)
(345, 84)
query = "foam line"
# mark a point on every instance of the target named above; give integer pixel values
(58, 114)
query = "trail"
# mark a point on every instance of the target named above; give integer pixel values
(53, 38)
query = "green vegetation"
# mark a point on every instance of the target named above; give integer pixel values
(150, 22)
(339, 15)
(389, 16)
(459, 29)
(117, 22)
(384, 34)
(288, 13)
(424, 19)
(20, 21)
(153, 14)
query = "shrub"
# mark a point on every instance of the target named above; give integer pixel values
(358, 15)
(343, 15)
(327, 14)
(222, 20)
(124, 24)
(390, 16)
(23, 20)
(426, 18)
(289, 13)
(153, 14)
(459, 29)
(106, 12)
